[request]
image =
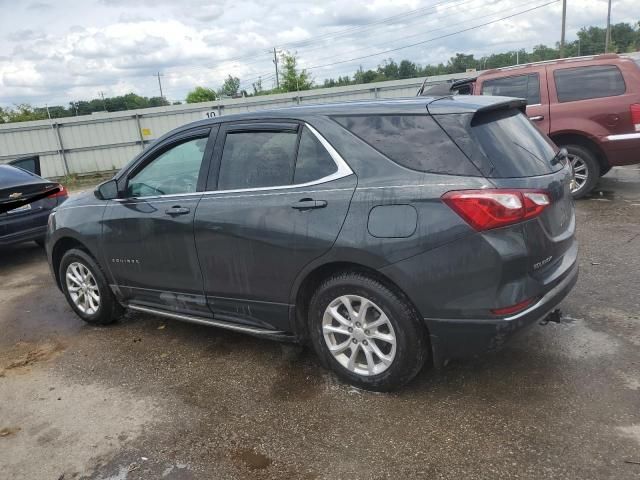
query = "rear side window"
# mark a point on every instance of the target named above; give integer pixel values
(257, 159)
(314, 162)
(582, 83)
(501, 143)
(520, 86)
(413, 141)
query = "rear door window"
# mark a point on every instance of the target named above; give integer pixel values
(257, 159)
(413, 141)
(519, 86)
(501, 143)
(582, 83)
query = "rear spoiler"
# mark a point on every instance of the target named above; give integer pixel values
(515, 103)
(480, 104)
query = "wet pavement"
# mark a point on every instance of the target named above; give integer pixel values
(149, 398)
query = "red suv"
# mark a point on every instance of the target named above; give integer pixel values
(588, 105)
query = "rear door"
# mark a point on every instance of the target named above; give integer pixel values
(279, 195)
(591, 98)
(532, 86)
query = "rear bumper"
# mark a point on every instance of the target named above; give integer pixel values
(451, 338)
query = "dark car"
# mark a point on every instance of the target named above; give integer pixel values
(588, 105)
(26, 200)
(386, 234)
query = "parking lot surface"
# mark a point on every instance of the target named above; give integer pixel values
(151, 398)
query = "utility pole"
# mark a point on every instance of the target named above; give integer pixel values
(607, 40)
(564, 22)
(104, 105)
(160, 83)
(275, 62)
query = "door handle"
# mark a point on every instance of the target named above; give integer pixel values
(308, 204)
(177, 210)
(536, 118)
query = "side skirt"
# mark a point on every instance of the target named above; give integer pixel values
(255, 331)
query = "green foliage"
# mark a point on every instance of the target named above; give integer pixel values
(230, 87)
(290, 79)
(201, 94)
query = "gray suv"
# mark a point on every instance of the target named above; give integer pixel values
(385, 234)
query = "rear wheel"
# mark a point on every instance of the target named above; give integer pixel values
(585, 168)
(366, 333)
(86, 289)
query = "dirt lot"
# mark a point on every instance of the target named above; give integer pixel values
(149, 398)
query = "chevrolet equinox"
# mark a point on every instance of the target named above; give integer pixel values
(386, 234)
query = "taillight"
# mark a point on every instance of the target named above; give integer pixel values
(60, 193)
(495, 208)
(635, 116)
(510, 310)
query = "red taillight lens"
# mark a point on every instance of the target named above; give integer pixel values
(635, 116)
(60, 193)
(494, 208)
(513, 308)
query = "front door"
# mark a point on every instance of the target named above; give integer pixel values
(281, 196)
(147, 235)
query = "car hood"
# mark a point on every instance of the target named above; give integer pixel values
(19, 187)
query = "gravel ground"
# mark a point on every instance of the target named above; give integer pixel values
(149, 398)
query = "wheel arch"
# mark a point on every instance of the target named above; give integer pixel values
(312, 280)
(577, 138)
(60, 247)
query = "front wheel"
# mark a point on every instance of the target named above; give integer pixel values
(367, 333)
(585, 169)
(86, 288)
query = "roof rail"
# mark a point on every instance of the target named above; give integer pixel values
(603, 56)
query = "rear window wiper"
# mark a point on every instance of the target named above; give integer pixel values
(559, 156)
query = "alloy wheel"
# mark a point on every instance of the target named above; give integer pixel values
(359, 335)
(82, 288)
(580, 172)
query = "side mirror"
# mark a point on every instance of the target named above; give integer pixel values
(107, 190)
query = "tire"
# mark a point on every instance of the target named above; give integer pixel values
(402, 362)
(583, 162)
(107, 309)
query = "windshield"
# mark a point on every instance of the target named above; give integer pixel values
(502, 143)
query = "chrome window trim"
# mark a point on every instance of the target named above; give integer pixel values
(343, 171)
(624, 136)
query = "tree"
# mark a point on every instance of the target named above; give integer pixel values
(230, 87)
(290, 79)
(201, 94)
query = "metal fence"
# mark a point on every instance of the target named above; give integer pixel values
(107, 141)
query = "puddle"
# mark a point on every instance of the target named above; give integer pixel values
(582, 342)
(251, 459)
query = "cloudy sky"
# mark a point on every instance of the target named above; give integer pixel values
(56, 51)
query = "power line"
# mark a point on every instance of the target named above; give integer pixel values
(434, 38)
